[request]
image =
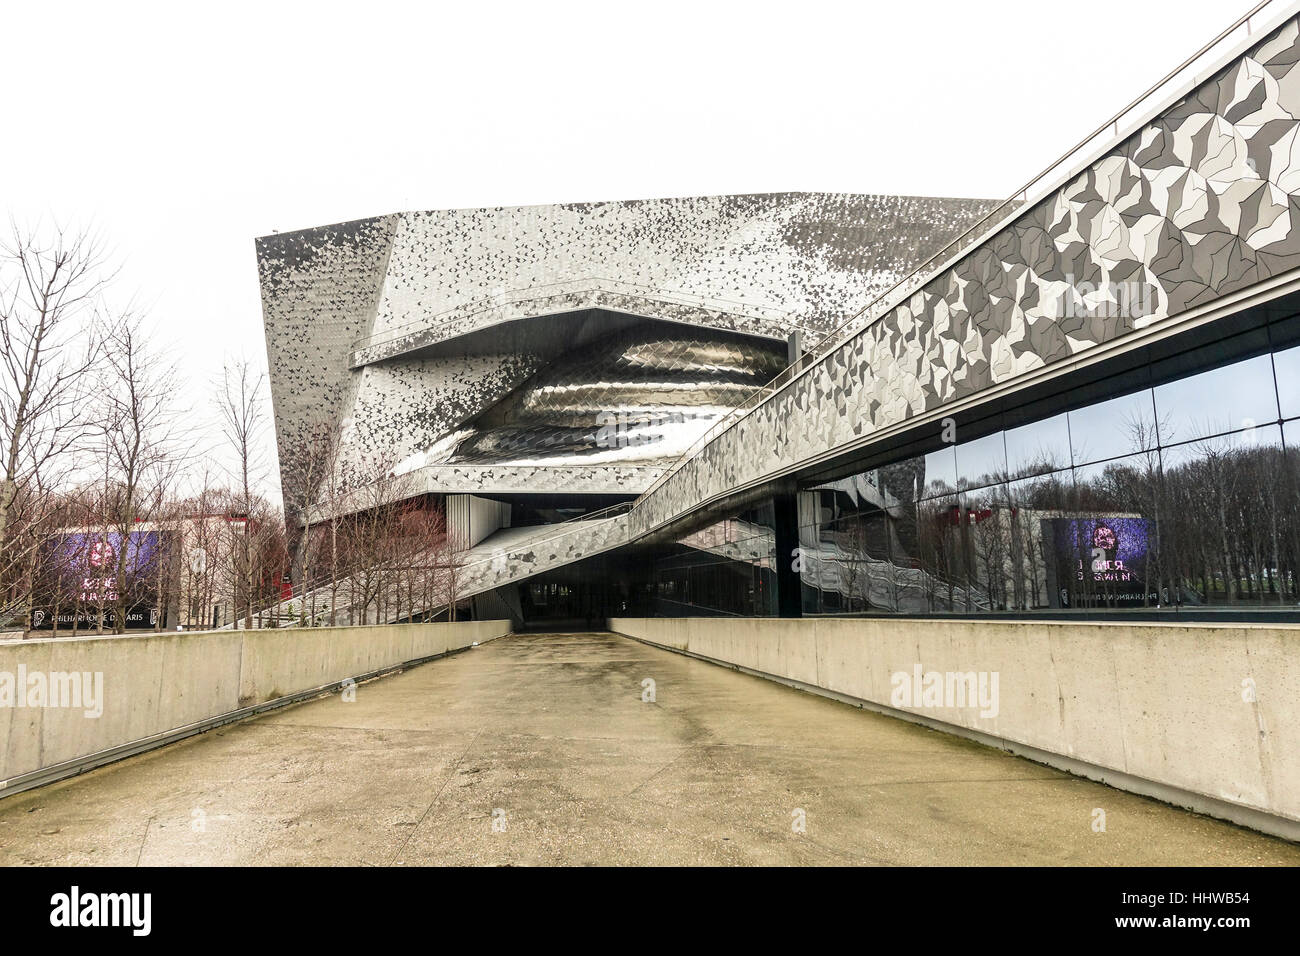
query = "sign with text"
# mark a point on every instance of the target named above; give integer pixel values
(88, 572)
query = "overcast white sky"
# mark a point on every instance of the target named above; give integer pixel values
(182, 132)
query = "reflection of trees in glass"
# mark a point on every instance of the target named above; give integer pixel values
(1118, 490)
(860, 567)
(1222, 514)
(851, 538)
(1031, 502)
(1231, 534)
(1219, 518)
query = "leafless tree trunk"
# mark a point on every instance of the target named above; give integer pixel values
(239, 405)
(140, 428)
(311, 480)
(48, 342)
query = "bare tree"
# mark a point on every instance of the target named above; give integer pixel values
(449, 557)
(141, 431)
(340, 482)
(310, 466)
(203, 554)
(239, 406)
(373, 548)
(49, 339)
(169, 526)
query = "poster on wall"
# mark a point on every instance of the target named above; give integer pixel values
(82, 580)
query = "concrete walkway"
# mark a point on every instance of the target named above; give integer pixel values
(548, 738)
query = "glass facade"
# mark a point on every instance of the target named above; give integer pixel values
(1181, 493)
(727, 568)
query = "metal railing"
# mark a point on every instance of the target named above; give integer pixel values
(274, 607)
(284, 609)
(1037, 188)
(447, 318)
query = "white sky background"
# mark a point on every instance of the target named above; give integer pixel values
(182, 132)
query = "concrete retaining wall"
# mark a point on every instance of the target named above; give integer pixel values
(1201, 715)
(154, 684)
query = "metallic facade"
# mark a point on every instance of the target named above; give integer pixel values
(641, 395)
(399, 330)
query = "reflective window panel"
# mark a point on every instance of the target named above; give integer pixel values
(981, 462)
(1112, 428)
(1286, 367)
(1035, 578)
(1185, 496)
(1228, 517)
(940, 475)
(847, 567)
(1038, 447)
(1220, 400)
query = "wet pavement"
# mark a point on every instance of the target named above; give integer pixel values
(539, 749)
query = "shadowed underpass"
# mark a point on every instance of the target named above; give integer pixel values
(548, 738)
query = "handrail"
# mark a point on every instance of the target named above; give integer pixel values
(588, 284)
(296, 592)
(880, 306)
(562, 528)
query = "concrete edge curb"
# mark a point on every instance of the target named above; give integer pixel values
(79, 765)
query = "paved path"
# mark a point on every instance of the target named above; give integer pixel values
(550, 734)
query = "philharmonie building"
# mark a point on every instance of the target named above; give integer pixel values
(1083, 401)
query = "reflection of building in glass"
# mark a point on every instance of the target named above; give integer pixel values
(1177, 494)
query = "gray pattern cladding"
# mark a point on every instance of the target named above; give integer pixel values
(808, 256)
(509, 555)
(409, 403)
(319, 292)
(763, 264)
(622, 478)
(1202, 202)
